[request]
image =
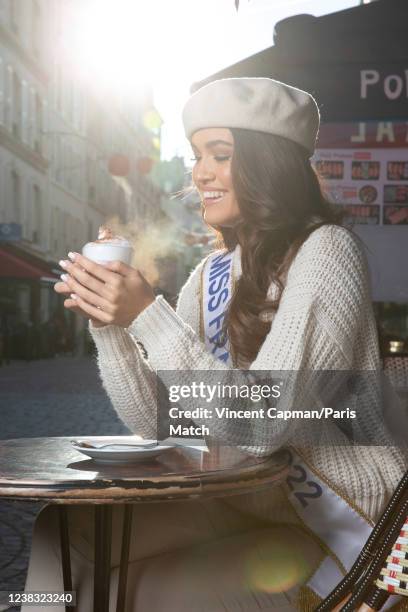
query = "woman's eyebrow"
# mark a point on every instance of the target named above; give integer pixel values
(214, 143)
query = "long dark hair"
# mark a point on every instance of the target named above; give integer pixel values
(281, 203)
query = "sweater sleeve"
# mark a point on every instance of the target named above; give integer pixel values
(127, 376)
(313, 329)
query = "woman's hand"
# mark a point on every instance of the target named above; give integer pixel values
(109, 294)
(72, 305)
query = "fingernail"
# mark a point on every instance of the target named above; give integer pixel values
(74, 296)
(71, 256)
(64, 277)
(63, 263)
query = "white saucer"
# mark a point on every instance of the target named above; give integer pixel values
(120, 453)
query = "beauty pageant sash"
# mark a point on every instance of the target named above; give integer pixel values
(341, 528)
(217, 291)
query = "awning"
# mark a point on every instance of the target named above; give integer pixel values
(14, 266)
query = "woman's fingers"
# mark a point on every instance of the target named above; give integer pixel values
(119, 268)
(103, 272)
(72, 305)
(87, 295)
(91, 311)
(86, 279)
(62, 287)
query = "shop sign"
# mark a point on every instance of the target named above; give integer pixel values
(10, 232)
(348, 91)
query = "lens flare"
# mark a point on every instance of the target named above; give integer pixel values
(275, 565)
(152, 120)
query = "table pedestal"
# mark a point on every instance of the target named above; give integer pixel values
(102, 556)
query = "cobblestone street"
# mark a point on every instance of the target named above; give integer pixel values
(55, 397)
(58, 397)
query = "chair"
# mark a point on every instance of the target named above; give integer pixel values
(381, 568)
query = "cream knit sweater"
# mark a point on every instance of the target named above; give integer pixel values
(324, 322)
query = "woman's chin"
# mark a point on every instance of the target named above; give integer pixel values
(214, 217)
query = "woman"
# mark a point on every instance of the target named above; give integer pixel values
(294, 297)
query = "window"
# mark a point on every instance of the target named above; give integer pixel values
(70, 167)
(8, 117)
(56, 230)
(78, 238)
(65, 232)
(58, 87)
(90, 178)
(16, 126)
(80, 172)
(37, 233)
(25, 114)
(36, 29)
(2, 93)
(38, 123)
(62, 174)
(70, 100)
(16, 197)
(32, 133)
(14, 16)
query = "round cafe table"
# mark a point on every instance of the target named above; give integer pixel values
(36, 472)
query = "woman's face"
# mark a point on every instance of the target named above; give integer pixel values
(213, 149)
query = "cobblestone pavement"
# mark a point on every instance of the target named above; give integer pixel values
(55, 397)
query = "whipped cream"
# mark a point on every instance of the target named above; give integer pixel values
(106, 236)
(108, 247)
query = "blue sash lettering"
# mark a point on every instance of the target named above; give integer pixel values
(216, 294)
(218, 268)
(217, 320)
(219, 299)
(216, 284)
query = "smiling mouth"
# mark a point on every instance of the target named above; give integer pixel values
(212, 197)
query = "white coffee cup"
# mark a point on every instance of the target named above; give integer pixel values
(116, 249)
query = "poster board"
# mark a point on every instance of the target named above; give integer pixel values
(364, 167)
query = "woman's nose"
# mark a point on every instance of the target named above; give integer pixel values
(204, 173)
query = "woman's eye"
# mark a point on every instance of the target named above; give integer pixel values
(218, 158)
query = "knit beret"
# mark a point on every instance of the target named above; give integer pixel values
(260, 104)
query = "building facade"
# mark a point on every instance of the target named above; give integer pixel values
(56, 139)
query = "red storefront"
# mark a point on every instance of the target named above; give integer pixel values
(32, 321)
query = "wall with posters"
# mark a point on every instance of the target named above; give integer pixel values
(365, 170)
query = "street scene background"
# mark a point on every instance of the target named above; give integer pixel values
(91, 93)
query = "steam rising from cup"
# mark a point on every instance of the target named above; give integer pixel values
(150, 244)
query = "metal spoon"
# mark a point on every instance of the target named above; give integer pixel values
(83, 444)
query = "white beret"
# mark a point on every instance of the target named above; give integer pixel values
(260, 104)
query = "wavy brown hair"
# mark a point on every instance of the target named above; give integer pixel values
(281, 203)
